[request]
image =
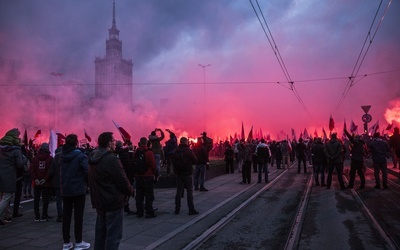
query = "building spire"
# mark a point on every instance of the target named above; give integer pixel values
(113, 31)
(114, 25)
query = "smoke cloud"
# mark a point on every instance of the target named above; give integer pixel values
(167, 40)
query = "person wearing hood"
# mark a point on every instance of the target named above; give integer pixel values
(42, 185)
(110, 189)
(73, 178)
(263, 154)
(11, 158)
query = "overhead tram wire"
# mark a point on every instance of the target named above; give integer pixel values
(277, 54)
(207, 83)
(363, 53)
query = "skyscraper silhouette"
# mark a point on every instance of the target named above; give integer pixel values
(113, 74)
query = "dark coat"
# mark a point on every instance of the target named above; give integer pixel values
(333, 151)
(201, 153)
(40, 168)
(189, 159)
(11, 159)
(74, 171)
(109, 185)
(55, 169)
(318, 153)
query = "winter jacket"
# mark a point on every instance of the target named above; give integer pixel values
(11, 159)
(333, 151)
(263, 153)
(150, 161)
(170, 146)
(318, 154)
(229, 153)
(74, 171)
(55, 169)
(379, 150)
(358, 148)
(126, 159)
(40, 169)
(156, 142)
(189, 158)
(301, 150)
(201, 153)
(109, 185)
(248, 154)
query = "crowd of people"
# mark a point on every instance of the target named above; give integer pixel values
(117, 172)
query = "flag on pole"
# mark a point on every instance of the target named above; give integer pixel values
(268, 137)
(374, 128)
(87, 136)
(331, 123)
(289, 143)
(324, 133)
(305, 135)
(38, 133)
(353, 127)
(250, 137)
(389, 126)
(344, 125)
(293, 135)
(60, 138)
(125, 135)
(242, 134)
(53, 142)
(315, 133)
(25, 138)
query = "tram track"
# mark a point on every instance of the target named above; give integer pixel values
(293, 234)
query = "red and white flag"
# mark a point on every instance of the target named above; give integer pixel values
(125, 135)
(87, 136)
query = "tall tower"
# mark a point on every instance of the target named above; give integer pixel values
(113, 74)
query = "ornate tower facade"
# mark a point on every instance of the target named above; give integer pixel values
(113, 74)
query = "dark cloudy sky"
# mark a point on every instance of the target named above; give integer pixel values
(319, 43)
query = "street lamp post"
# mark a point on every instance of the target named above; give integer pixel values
(204, 85)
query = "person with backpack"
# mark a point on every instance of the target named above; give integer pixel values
(109, 192)
(263, 154)
(183, 161)
(144, 169)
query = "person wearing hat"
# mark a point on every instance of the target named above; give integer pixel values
(42, 185)
(11, 158)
